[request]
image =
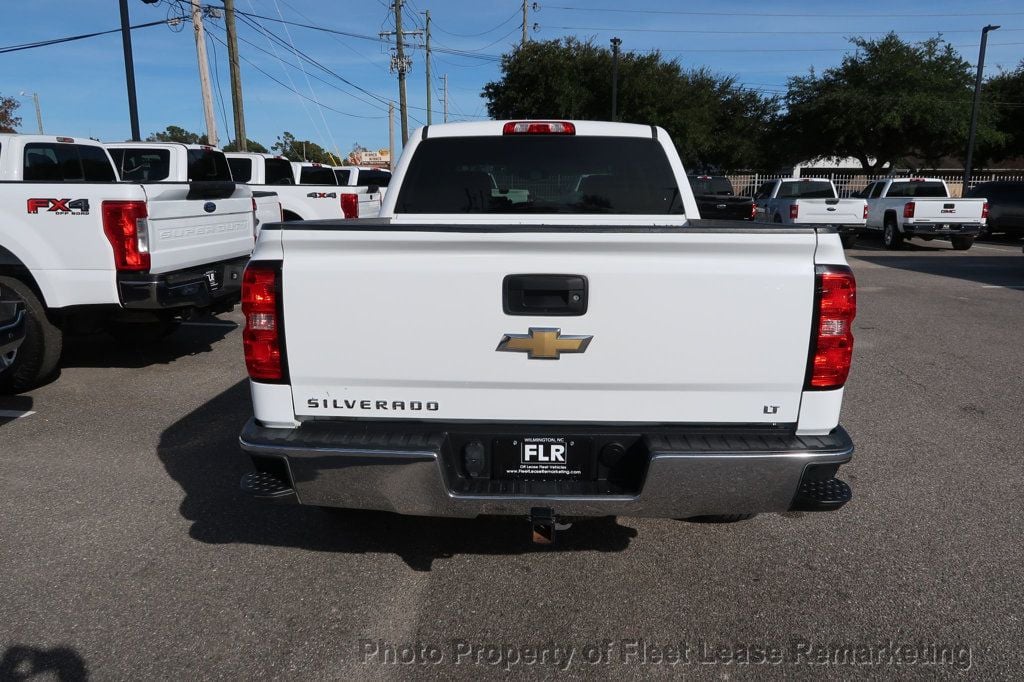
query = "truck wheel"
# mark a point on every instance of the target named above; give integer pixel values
(961, 243)
(37, 358)
(848, 240)
(720, 518)
(891, 237)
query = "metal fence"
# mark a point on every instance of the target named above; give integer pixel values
(745, 184)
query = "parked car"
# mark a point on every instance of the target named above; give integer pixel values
(1005, 207)
(716, 199)
(12, 327)
(795, 201)
(901, 208)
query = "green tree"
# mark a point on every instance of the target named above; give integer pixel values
(8, 121)
(887, 101)
(177, 134)
(251, 146)
(1003, 104)
(714, 122)
(301, 150)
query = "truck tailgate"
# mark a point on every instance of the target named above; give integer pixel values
(185, 232)
(685, 326)
(942, 210)
(831, 211)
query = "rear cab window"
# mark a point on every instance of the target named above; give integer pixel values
(241, 169)
(917, 188)
(703, 184)
(806, 189)
(372, 178)
(540, 174)
(278, 172)
(66, 162)
(343, 175)
(142, 165)
(317, 175)
(207, 165)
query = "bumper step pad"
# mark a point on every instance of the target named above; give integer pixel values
(266, 486)
(822, 495)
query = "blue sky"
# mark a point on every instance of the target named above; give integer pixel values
(82, 90)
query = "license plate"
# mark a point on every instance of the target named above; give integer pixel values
(542, 457)
(213, 279)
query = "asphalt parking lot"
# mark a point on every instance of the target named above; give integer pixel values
(127, 551)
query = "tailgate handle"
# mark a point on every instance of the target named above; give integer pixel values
(948, 206)
(559, 295)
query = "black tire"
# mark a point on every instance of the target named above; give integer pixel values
(891, 237)
(720, 518)
(848, 240)
(39, 355)
(986, 231)
(136, 333)
(961, 243)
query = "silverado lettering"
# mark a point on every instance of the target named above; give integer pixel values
(393, 405)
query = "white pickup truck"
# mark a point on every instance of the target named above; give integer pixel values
(300, 197)
(799, 201)
(921, 207)
(149, 162)
(85, 251)
(590, 348)
(369, 178)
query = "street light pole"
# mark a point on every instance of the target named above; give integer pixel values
(129, 71)
(615, 76)
(974, 107)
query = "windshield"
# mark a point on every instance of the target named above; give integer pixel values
(539, 174)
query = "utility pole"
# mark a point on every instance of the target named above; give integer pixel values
(525, 19)
(401, 64)
(974, 108)
(391, 135)
(39, 111)
(236, 76)
(445, 97)
(204, 73)
(129, 73)
(615, 77)
(426, 63)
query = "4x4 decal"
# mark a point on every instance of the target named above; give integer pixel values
(322, 195)
(59, 206)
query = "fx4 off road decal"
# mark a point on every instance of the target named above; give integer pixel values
(59, 206)
(322, 195)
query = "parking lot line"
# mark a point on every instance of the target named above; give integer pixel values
(15, 414)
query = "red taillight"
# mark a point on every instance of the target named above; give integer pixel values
(127, 228)
(865, 211)
(832, 346)
(984, 211)
(794, 211)
(261, 338)
(538, 128)
(350, 205)
(753, 211)
(908, 209)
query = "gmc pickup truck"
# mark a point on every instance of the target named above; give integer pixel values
(811, 200)
(84, 251)
(590, 348)
(301, 198)
(921, 207)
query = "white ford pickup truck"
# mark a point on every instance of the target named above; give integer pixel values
(921, 207)
(810, 201)
(85, 251)
(590, 348)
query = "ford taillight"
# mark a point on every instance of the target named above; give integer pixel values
(262, 338)
(753, 211)
(984, 211)
(908, 209)
(865, 211)
(832, 342)
(126, 225)
(350, 205)
(794, 211)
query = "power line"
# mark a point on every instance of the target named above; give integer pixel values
(482, 33)
(68, 39)
(814, 33)
(777, 14)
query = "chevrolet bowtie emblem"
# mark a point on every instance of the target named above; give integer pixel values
(543, 343)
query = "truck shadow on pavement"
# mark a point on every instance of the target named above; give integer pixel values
(11, 408)
(101, 350)
(201, 453)
(999, 271)
(20, 662)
